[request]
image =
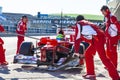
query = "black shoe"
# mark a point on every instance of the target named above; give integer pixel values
(15, 60)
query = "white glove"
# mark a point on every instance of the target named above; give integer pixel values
(76, 55)
(81, 56)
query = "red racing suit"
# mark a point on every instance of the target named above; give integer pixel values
(21, 29)
(72, 36)
(88, 32)
(112, 31)
(2, 50)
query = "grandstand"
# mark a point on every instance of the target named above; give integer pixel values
(33, 27)
(44, 23)
(13, 18)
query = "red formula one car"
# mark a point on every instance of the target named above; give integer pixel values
(50, 52)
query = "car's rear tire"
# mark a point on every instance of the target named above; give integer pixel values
(26, 48)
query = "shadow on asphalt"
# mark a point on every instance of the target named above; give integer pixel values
(63, 74)
(2, 78)
(101, 75)
(4, 70)
(13, 79)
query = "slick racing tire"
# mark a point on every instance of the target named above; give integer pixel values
(26, 49)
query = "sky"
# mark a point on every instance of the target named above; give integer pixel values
(52, 6)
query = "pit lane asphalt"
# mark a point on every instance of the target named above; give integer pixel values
(15, 72)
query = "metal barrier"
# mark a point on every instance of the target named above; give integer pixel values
(31, 30)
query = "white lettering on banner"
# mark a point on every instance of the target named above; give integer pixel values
(42, 21)
(57, 21)
(67, 21)
(45, 21)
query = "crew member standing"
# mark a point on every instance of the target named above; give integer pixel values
(112, 30)
(89, 32)
(2, 50)
(21, 29)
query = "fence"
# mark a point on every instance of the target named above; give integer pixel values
(31, 30)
